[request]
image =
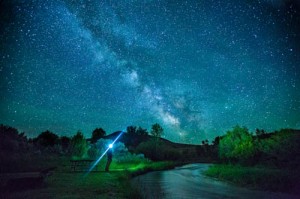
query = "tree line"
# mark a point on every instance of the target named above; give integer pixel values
(277, 149)
(78, 145)
(237, 146)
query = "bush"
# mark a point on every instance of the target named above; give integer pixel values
(148, 148)
(78, 145)
(281, 149)
(237, 146)
(155, 150)
(11, 140)
(46, 139)
(93, 152)
(120, 152)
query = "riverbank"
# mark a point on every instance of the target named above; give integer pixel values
(261, 178)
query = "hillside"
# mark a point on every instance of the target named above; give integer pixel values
(163, 149)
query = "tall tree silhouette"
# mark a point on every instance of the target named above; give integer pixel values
(131, 130)
(97, 134)
(47, 138)
(157, 130)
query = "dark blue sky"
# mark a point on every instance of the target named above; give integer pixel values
(197, 68)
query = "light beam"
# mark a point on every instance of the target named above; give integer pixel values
(109, 147)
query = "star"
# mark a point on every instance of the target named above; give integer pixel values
(198, 69)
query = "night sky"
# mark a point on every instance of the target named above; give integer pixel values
(197, 67)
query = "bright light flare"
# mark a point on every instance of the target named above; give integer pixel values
(98, 160)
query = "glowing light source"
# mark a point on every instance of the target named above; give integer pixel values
(98, 160)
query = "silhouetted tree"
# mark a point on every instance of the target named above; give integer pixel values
(47, 139)
(97, 134)
(216, 141)
(259, 132)
(205, 142)
(141, 131)
(131, 130)
(65, 142)
(157, 130)
(10, 139)
(8, 132)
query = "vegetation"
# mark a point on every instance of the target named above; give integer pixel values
(78, 145)
(133, 130)
(237, 146)
(47, 139)
(141, 131)
(268, 161)
(33, 156)
(277, 149)
(264, 178)
(166, 152)
(156, 130)
(97, 134)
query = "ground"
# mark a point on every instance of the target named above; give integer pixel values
(64, 183)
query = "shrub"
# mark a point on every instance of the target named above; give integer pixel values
(280, 149)
(93, 152)
(78, 145)
(237, 145)
(47, 139)
(120, 152)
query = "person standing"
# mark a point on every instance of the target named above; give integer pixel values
(109, 159)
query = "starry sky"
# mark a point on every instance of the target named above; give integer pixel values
(197, 67)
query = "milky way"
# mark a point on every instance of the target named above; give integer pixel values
(198, 68)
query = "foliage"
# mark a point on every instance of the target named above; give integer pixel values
(257, 177)
(132, 158)
(120, 152)
(237, 145)
(156, 130)
(131, 130)
(78, 145)
(280, 149)
(93, 152)
(47, 139)
(65, 143)
(9, 132)
(97, 134)
(216, 141)
(204, 142)
(148, 149)
(155, 149)
(260, 132)
(11, 140)
(141, 131)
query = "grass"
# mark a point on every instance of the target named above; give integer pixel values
(66, 184)
(262, 178)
